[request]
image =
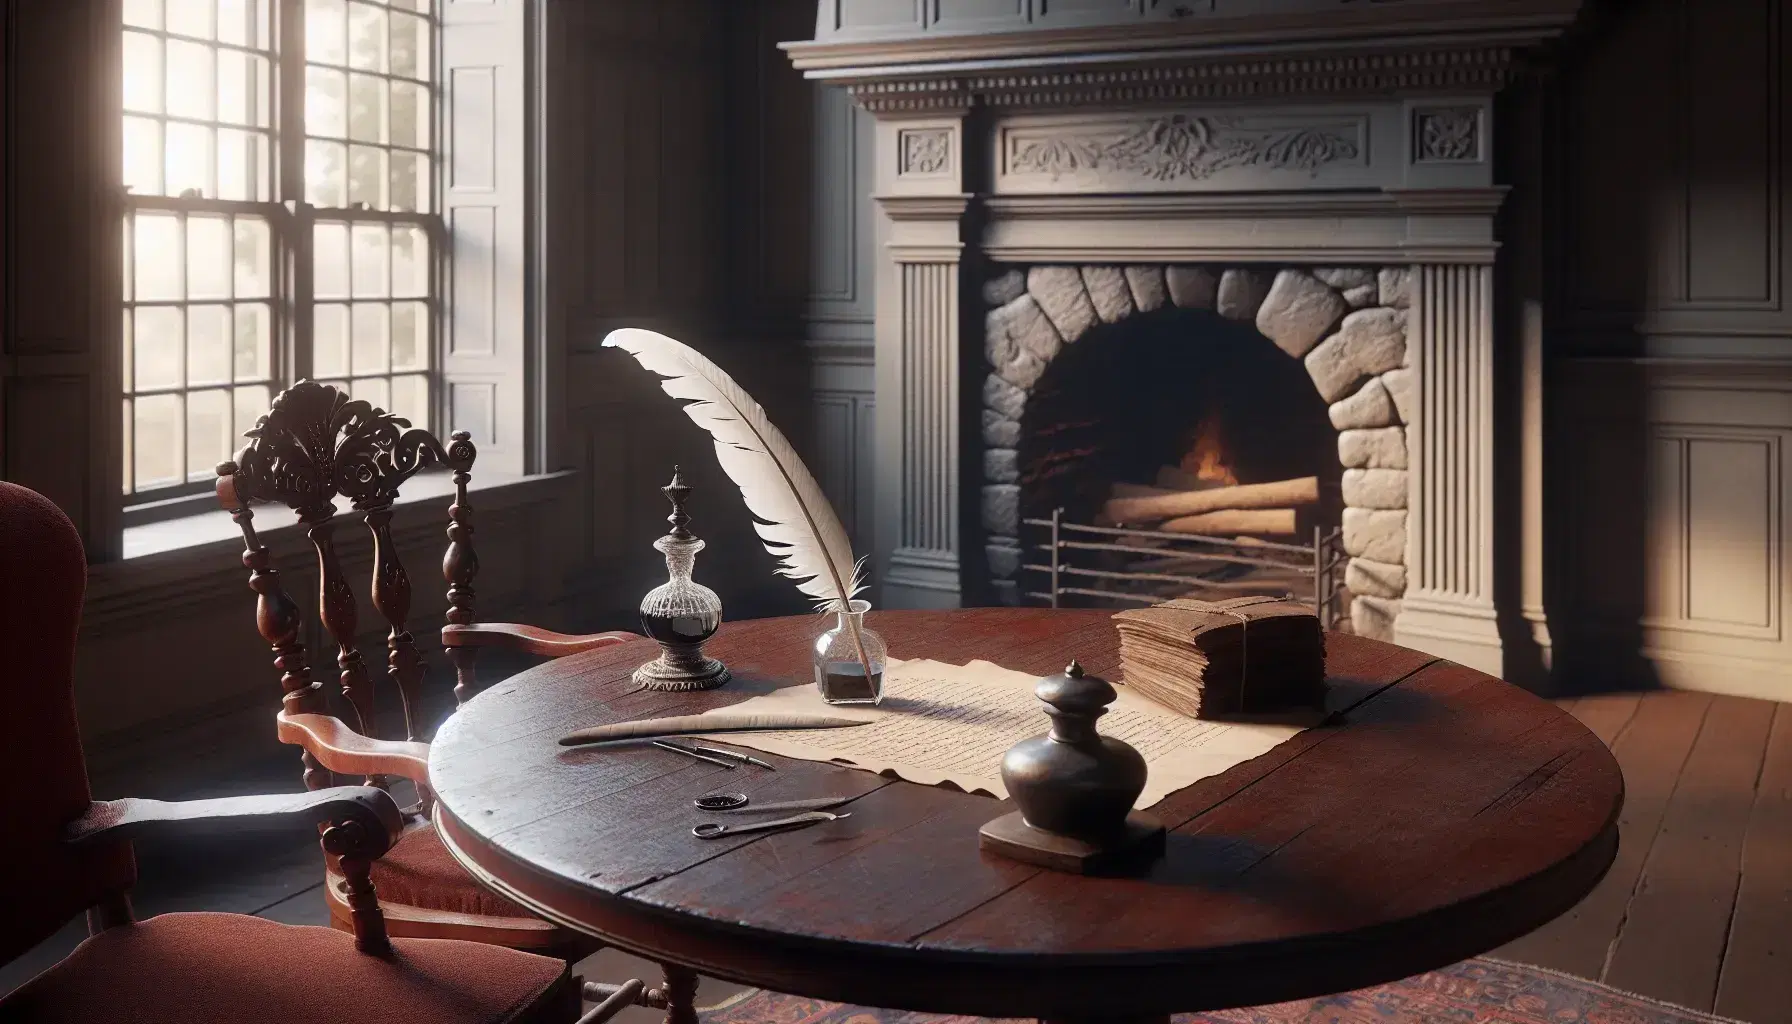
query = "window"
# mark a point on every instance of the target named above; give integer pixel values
(281, 219)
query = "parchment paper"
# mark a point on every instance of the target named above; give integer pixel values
(952, 723)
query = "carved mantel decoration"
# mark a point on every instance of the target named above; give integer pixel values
(1307, 137)
(1167, 148)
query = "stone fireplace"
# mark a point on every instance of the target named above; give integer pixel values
(1308, 184)
(1335, 335)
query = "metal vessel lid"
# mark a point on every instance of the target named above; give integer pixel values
(1075, 692)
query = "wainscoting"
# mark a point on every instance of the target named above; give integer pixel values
(1674, 517)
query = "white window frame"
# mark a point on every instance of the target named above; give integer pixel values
(486, 339)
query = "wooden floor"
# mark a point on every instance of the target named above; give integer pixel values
(1697, 909)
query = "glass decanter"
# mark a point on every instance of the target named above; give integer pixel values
(850, 659)
(680, 613)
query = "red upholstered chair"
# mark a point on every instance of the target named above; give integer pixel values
(68, 853)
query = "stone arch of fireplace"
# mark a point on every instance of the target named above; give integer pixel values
(1347, 326)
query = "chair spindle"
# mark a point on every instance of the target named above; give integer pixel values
(461, 562)
(278, 620)
(354, 850)
(392, 597)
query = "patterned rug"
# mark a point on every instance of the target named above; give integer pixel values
(1479, 991)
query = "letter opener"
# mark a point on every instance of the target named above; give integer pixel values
(688, 752)
(685, 725)
(717, 752)
(712, 830)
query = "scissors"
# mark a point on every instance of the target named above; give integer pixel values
(713, 830)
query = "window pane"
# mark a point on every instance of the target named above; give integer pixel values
(159, 440)
(326, 103)
(410, 45)
(372, 348)
(366, 108)
(190, 17)
(376, 390)
(142, 73)
(190, 84)
(208, 345)
(326, 174)
(329, 260)
(243, 89)
(410, 399)
(129, 367)
(410, 115)
(142, 156)
(410, 182)
(410, 262)
(329, 341)
(253, 258)
(129, 457)
(210, 417)
(366, 37)
(208, 257)
(143, 13)
(340, 385)
(157, 347)
(326, 27)
(370, 270)
(156, 252)
(410, 336)
(254, 342)
(244, 168)
(243, 22)
(366, 177)
(189, 160)
(251, 404)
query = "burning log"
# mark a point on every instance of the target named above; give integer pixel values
(1138, 491)
(1261, 521)
(1277, 495)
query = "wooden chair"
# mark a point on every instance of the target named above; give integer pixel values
(315, 446)
(73, 854)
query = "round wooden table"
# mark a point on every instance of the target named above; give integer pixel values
(1438, 813)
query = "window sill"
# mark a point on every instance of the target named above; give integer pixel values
(172, 559)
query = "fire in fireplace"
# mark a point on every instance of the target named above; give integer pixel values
(1171, 401)
(1236, 421)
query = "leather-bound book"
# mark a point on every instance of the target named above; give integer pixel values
(1212, 659)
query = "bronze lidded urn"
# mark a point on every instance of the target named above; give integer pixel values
(1075, 787)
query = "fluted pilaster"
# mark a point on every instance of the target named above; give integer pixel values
(923, 203)
(1449, 607)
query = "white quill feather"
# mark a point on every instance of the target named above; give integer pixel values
(793, 516)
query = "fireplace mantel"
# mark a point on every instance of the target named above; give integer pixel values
(1223, 133)
(914, 55)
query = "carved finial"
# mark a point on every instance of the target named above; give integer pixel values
(677, 492)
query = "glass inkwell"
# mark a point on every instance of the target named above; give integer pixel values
(680, 613)
(850, 659)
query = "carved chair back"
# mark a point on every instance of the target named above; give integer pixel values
(43, 776)
(315, 447)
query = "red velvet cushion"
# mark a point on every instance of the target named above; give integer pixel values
(230, 968)
(43, 778)
(418, 871)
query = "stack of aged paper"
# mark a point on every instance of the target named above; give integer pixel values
(951, 724)
(1210, 659)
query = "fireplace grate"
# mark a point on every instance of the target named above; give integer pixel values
(1122, 565)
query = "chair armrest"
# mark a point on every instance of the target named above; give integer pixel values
(373, 810)
(511, 636)
(347, 752)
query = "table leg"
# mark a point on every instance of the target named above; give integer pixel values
(681, 994)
